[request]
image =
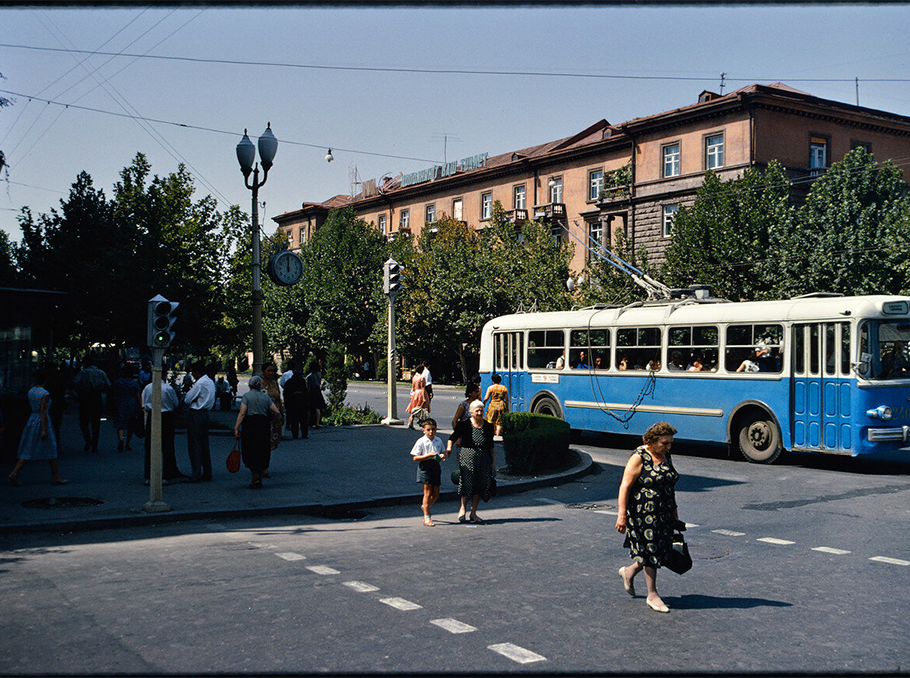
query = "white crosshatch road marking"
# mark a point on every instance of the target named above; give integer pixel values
(773, 540)
(453, 625)
(828, 549)
(890, 561)
(322, 569)
(291, 556)
(360, 586)
(729, 533)
(516, 653)
(400, 603)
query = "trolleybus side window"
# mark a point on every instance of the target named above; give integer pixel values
(546, 348)
(589, 349)
(693, 349)
(507, 351)
(754, 348)
(638, 348)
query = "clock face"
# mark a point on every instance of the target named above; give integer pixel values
(286, 268)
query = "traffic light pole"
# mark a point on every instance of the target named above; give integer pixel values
(392, 402)
(156, 502)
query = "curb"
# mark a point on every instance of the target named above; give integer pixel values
(584, 467)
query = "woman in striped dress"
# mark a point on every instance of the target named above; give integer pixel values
(475, 460)
(38, 440)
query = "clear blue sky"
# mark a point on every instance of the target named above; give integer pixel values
(382, 121)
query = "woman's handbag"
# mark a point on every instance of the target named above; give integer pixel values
(137, 424)
(679, 560)
(233, 460)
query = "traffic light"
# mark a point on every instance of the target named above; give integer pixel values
(391, 279)
(162, 316)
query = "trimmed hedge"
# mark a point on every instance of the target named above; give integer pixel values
(534, 442)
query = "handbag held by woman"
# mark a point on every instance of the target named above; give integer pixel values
(233, 460)
(679, 560)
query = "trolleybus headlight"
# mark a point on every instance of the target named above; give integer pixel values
(883, 412)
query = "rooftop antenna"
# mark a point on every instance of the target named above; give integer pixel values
(354, 176)
(723, 77)
(444, 137)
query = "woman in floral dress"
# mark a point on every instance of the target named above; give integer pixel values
(38, 440)
(647, 510)
(498, 398)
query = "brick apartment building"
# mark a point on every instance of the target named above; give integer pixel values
(633, 176)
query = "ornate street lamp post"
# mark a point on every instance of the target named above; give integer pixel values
(246, 155)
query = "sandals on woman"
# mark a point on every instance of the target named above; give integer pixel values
(428, 521)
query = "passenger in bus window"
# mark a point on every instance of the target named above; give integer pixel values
(654, 365)
(753, 364)
(894, 362)
(598, 363)
(582, 363)
(676, 362)
(696, 365)
(623, 364)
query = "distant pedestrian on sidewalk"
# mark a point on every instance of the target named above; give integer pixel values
(38, 440)
(199, 400)
(428, 380)
(90, 384)
(127, 401)
(427, 452)
(253, 430)
(475, 460)
(419, 404)
(498, 397)
(170, 401)
(297, 402)
(271, 388)
(314, 388)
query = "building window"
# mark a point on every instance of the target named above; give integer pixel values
(596, 237)
(404, 220)
(861, 144)
(714, 151)
(431, 213)
(671, 160)
(595, 183)
(457, 210)
(290, 238)
(383, 224)
(669, 214)
(518, 197)
(818, 152)
(486, 205)
(556, 189)
(302, 236)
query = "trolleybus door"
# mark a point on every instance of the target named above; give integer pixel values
(509, 364)
(820, 394)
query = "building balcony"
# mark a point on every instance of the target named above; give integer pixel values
(615, 193)
(550, 211)
(517, 216)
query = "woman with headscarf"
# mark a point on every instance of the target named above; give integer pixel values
(475, 460)
(253, 430)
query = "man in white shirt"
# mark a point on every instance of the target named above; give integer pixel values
(199, 400)
(429, 379)
(169, 404)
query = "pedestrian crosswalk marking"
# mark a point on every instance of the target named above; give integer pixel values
(516, 653)
(729, 533)
(890, 561)
(773, 540)
(360, 586)
(291, 556)
(828, 549)
(322, 569)
(400, 603)
(453, 625)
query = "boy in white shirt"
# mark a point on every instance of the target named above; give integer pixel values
(427, 452)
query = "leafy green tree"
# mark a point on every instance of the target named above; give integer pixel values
(851, 235)
(605, 283)
(730, 236)
(9, 273)
(336, 375)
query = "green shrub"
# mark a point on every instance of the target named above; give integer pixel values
(534, 442)
(347, 415)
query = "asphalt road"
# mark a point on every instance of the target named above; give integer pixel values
(800, 567)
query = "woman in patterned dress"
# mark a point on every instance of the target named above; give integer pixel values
(418, 405)
(475, 460)
(647, 510)
(38, 440)
(498, 397)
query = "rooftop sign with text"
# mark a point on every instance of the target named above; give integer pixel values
(446, 170)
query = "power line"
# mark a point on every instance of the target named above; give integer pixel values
(436, 71)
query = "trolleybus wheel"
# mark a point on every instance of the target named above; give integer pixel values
(547, 405)
(758, 438)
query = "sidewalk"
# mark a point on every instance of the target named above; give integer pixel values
(335, 469)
